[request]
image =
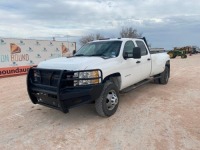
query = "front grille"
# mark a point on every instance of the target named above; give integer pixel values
(47, 77)
(67, 79)
(50, 78)
(53, 77)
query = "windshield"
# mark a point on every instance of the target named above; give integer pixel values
(103, 49)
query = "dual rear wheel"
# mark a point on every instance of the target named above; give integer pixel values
(164, 76)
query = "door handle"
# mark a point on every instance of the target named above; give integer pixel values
(138, 62)
(148, 59)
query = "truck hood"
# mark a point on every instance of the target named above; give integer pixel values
(72, 63)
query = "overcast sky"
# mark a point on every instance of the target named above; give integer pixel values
(165, 23)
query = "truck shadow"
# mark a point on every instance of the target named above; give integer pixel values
(78, 115)
(87, 112)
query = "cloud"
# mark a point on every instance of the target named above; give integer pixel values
(154, 18)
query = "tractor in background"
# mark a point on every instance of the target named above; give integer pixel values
(180, 51)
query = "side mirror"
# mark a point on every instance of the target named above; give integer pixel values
(136, 52)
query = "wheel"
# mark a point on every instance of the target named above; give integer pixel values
(174, 56)
(107, 104)
(157, 80)
(164, 76)
(170, 55)
(183, 56)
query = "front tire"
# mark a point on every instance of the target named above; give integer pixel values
(107, 104)
(185, 56)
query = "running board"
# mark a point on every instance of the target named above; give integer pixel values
(134, 86)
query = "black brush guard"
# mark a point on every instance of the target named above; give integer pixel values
(55, 88)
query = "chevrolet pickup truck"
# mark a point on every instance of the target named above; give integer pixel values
(97, 73)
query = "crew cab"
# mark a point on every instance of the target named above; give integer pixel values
(97, 72)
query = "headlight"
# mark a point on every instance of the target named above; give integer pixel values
(85, 78)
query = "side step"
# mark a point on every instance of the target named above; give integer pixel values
(134, 86)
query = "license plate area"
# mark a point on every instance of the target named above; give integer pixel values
(48, 99)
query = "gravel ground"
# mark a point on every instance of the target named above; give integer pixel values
(151, 117)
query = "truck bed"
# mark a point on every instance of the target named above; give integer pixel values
(158, 63)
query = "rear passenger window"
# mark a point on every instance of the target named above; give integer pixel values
(141, 45)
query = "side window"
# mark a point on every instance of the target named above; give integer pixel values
(141, 45)
(128, 48)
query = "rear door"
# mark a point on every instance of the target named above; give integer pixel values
(145, 61)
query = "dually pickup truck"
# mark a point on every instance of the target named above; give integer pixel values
(97, 72)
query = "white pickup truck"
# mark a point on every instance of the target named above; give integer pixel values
(97, 73)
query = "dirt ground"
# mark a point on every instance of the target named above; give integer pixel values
(151, 117)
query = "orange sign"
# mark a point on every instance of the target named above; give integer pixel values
(11, 71)
(14, 48)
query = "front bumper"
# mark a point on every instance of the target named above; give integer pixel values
(56, 92)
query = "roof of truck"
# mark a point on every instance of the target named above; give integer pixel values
(123, 40)
(116, 39)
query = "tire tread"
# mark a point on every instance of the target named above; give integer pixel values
(99, 101)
